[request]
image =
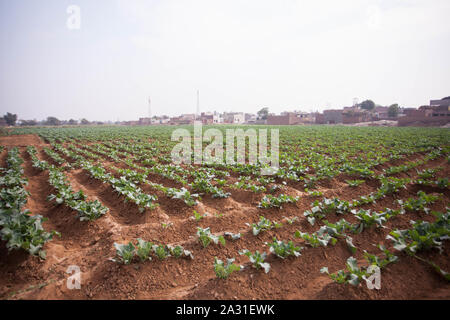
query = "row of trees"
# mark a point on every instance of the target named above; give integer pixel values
(11, 120)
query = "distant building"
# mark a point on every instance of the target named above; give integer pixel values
(439, 103)
(234, 117)
(355, 115)
(130, 123)
(437, 114)
(381, 113)
(183, 119)
(145, 121)
(211, 118)
(207, 118)
(250, 118)
(330, 117)
(306, 118)
(441, 111)
(163, 120)
(291, 118)
(3, 122)
(281, 120)
(406, 111)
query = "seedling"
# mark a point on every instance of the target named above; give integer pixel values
(125, 252)
(205, 237)
(178, 252)
(264, 224)
(283, 250)
(420, 203)
(257, 259)
(143, 249)
(224, 271)
(270, 201)
(161, 251)
(166, 225)
(316, 239)
(353, 275)
(197, 216)
(354, 183)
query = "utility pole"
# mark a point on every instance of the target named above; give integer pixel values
(198, 105)
(150, 109)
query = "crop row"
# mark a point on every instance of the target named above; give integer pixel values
(87, 210)
(19, 228)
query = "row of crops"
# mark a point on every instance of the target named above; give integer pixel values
(310, 158)
(20, 229)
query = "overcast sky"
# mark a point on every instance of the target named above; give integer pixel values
(241, 54)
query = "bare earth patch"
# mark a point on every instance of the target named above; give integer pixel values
(21, 140)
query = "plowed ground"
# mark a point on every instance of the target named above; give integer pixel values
(90, 245)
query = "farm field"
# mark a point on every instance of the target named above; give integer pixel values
(345, 198)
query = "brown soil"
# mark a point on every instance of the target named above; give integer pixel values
(20, 141)
(89, 245)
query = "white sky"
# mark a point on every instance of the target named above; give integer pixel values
(241, 54)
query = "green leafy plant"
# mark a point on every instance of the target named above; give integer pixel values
(179, 251)
(21, 230)
(314, 193)
(319, 209)
(257, 259)
(143, 249)
(125, 252)
(368, 218)
(206, 237)
(353, 275)
(284, 249)
(350, 245)
(291, 220)
(222, 270)
(316, 239)
(197, 216)
(354, 183)
(184, 194)
(442, 183)
(381, 262)
(423, 235)
(263, 224)
(165, 225)
(391, 185)
(420, 203)
(161, 251)
(270, 201)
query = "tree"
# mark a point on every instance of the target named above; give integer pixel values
(10, 118)
(84, 121)
(367, 105)
(393, 110)
(262, 114)
(73, 122)
(52, 121)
